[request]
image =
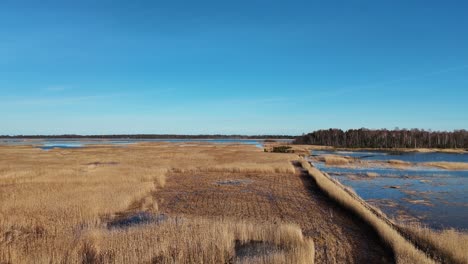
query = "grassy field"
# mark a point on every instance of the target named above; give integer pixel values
(183, 203)
(203, 203)
(57, 205)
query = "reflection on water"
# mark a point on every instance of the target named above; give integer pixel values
(436, 197)
(404, 156)
(49, 146)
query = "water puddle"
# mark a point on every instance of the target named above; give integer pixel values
(250, 250)
(234, 182)
(60, 146)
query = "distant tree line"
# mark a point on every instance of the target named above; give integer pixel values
(383, 138)
(150, 136)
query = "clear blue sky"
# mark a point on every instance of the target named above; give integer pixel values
(249, 67)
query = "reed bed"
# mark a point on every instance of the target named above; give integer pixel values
(372, 174)
(447, 165)
(404, 251)
(55, 205)
(173, 241)
(200, 241)
(449, 246)
(334, 160)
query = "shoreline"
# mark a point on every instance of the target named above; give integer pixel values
(302, 147)
(353, 163)
(410, 243)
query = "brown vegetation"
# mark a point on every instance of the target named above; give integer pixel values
(448, 165)
(405, 252)
(303, 150)
(199, 241)
(282, 149)
(399, 163)
(56, 205)
(291, 198)
(450, 246)
(180, 203)
(372, 174)
(348, 162)
(166, 203)
(331, 160)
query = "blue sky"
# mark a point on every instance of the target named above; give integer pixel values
(242, 67)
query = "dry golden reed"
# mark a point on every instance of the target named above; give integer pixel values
(335, 160)
(55, 206)
(450, 245)
(404, 251)
(199, 241)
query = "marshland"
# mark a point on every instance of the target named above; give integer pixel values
(410, 188)
(192, 201)
(233, 132)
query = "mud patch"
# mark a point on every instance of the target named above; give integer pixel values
(253, 249)
(137, 219)
(383, 203)
(98, 163)
(234, 182)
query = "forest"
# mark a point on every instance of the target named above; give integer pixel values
(383, 138)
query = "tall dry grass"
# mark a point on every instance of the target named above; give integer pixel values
(55, 204)
(331, 160)
(199, 241)
(449, 246)
(174, 241)
(372, 174)
(404, 251)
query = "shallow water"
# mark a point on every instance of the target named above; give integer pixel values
(60, 145)
(47, 144)
(404, 156)
(436, 197)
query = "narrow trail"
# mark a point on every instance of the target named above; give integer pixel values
(428, 250)
(335, 212)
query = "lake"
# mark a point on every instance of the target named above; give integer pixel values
(432, 196)
(47, 144)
